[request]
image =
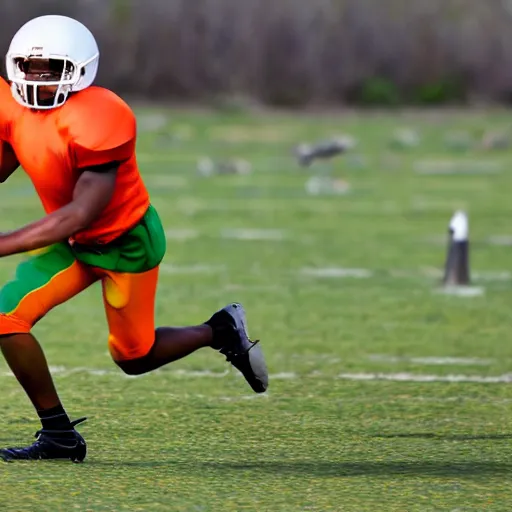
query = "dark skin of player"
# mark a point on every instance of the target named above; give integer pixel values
(22, 352)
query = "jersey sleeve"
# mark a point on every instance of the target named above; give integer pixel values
(102, 129)
(7, 105)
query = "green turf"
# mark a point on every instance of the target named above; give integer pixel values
(182, 441)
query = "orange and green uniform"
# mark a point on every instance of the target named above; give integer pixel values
(122, 248)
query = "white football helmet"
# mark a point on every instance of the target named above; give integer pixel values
(55, 53)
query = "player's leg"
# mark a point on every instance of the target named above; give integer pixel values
(138, 348)
(134, 343)
(41, 283)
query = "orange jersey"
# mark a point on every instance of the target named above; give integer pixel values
(92, 128)
(8, 107)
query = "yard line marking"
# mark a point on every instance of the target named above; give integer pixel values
(500, 240)
(181, 234)
(461, 291)
(404, 273)
(199, 373)
(432, 360)
(496, 275)
(413, 377)
(254, 234)
(283, 376)
(191, 269)
(337, 272)
(166, 180)
(362, 376)
(446, 167)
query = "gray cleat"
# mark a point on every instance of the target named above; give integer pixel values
(230, 328)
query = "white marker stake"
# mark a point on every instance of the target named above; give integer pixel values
(457, 261)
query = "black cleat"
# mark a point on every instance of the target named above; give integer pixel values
(230, 328)
(49, 445)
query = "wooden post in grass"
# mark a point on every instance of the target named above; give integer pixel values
(456, 271)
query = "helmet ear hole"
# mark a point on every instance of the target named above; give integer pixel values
(82, 72)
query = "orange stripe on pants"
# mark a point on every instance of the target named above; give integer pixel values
(129, 301)
(36, 304)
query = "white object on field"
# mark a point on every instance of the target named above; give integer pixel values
(405, 138)
(205, 166)
(459, 226)
(456, 270)
(320, 185)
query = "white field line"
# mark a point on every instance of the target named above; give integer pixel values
(362, 376)
(414, 377)
(282, 234)
(254, 234)
(433, 361)
(327, 358)
(181, 234)
(497, 240)
(100, 372)
(251, 288)
(496, 275)
(242, 234)
(166, 181)
(458, 399)
(440, 240)
(193, 205)
(337, 272)
(330, 273)
(167, 268)
(397, 273)
(221, 398)
(500, 240)
(461, 291)
(434, 167)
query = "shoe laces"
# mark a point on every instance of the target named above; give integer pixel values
(231, 354)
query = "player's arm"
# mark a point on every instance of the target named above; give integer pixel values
(8, 161)
(102, 132)
(92, 193)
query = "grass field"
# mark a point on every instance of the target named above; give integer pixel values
(384, 395)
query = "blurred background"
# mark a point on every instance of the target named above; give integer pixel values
(295, 53)
(306, 157)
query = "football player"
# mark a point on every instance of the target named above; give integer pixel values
(76, 142)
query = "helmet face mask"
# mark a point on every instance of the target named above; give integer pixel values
(44, 70)
(49, 58)
(43, 83)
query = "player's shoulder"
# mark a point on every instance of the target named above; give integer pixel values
(10, 109)
(5, 88)
(95, 114)
(96, 104)
(7, 100)
(97, 98)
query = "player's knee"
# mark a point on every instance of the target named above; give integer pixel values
(134, 366)
(130, 355)
(14, 324)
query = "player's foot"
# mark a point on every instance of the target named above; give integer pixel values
(231, 339)
(51, 444)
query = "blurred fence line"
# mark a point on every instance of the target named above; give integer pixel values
(294, 52)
